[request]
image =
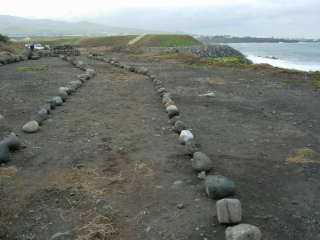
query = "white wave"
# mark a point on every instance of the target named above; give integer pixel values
(285, 64)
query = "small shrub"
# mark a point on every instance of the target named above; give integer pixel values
(316, 80)
(4, 38)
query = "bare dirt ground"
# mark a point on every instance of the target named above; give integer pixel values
(107, 166)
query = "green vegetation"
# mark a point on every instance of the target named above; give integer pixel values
(227, 61)
(33, 68)
(316, 80)
(4, 38)
(197, 61)
(167, 41)
(303, 155)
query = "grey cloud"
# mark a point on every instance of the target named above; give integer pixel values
(269, 18)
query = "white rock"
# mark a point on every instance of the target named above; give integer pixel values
(185, 136)
(63, 93)
(172, 111)
(243, 232)
(31, 127)
(91, 72)
(229, 211)
(1, 117)
(58, 100)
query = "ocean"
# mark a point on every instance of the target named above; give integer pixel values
(298, 56)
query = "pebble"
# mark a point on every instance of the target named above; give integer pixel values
(4, 153)
(179, 126)
(243, 232)
(229, 211)
(31, 127)
(1, 117)
(12, 142)
(201, 162)
(185, 136)
(218, 187)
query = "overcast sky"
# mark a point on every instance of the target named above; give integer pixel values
(280, 18)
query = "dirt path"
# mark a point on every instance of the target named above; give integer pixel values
(106, 163)
(260, 126)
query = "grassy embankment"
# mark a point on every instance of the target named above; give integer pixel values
(166, 40)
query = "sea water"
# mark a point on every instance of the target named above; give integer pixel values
(299, 56)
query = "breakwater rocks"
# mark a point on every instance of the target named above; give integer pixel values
(209, 51)
(217, 187)
(7, 58)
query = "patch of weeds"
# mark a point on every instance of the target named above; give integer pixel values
(227, 61)
(304, 155)
(37, 68)
(316, 79)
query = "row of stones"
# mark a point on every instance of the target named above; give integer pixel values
(7, 58)
(63, 94)
(12, 142)
(229, 211)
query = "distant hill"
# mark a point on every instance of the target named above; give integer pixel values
(20, 27)
(166, 40)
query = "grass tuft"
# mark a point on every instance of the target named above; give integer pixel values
(304, 155)
(33, 68)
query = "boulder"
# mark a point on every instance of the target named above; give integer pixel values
(201, 162)
(218, 187)
(229, 211)
(63, 94)
(91, 72)
(41, 116)
(74, 85)
(161, 90)
(172, 111)
(243, 232)
(64, 89)
(47, 107)
(166, 98)
(83, 77)
(12, 142)
(179, 126)
(31, 127)
(169, 103)
(4, 153)
(185, 136)
(57, 100)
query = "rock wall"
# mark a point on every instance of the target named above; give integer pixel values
(209, 51)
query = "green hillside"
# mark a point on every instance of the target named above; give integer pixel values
(167, 40)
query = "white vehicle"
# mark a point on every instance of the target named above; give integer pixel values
(38, 46)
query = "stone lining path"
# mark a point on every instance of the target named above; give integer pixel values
(109, 154)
